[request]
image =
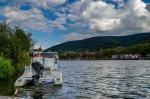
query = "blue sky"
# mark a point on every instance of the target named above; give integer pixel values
(55, 21)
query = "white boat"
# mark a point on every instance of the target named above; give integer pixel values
(43, 69)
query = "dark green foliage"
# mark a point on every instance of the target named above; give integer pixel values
(141, 49)
(102, 42)
(21, 44)
(15, 45)
(6, 68)
(69, 55)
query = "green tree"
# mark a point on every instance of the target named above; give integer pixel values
(6, 68)
(15, 45)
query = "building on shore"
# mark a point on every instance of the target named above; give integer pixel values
(126, 56)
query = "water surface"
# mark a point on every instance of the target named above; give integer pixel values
(98, 79)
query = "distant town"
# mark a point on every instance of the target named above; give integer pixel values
(99, 56)
(130, 57)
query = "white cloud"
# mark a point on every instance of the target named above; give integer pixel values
(47, 3)
(13, 14)
(98, 17)
(57, 2)
(134, 17)
(101, 16)
(104, 24)
(76, 36)
(32, 19)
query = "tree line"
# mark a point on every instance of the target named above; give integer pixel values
(15, 45)
(141, 49)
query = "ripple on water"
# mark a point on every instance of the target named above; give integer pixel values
(99, 79)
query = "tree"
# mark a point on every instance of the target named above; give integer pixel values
(6, 68)
(15, 45)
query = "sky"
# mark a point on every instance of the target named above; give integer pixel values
(53, 22)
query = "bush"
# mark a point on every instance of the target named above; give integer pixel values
(15, 44)
(6, 68)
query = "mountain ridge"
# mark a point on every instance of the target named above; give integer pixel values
(101, 42)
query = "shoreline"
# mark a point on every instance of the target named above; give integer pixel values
(100, 59)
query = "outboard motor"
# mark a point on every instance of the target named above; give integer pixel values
(38, 68)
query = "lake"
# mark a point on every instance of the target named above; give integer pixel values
(95, 79)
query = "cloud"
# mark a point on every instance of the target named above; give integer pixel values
(134, 18)
(73, 36)
(76, 36)
(94, 17)
(101, 16)
(148, 7)
(57, 2)
(32, 19)
(47, 3)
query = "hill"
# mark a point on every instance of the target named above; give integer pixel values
(101, 42)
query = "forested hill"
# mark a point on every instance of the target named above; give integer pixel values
(102, 42)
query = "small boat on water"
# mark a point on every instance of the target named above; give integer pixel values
(44, 69)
